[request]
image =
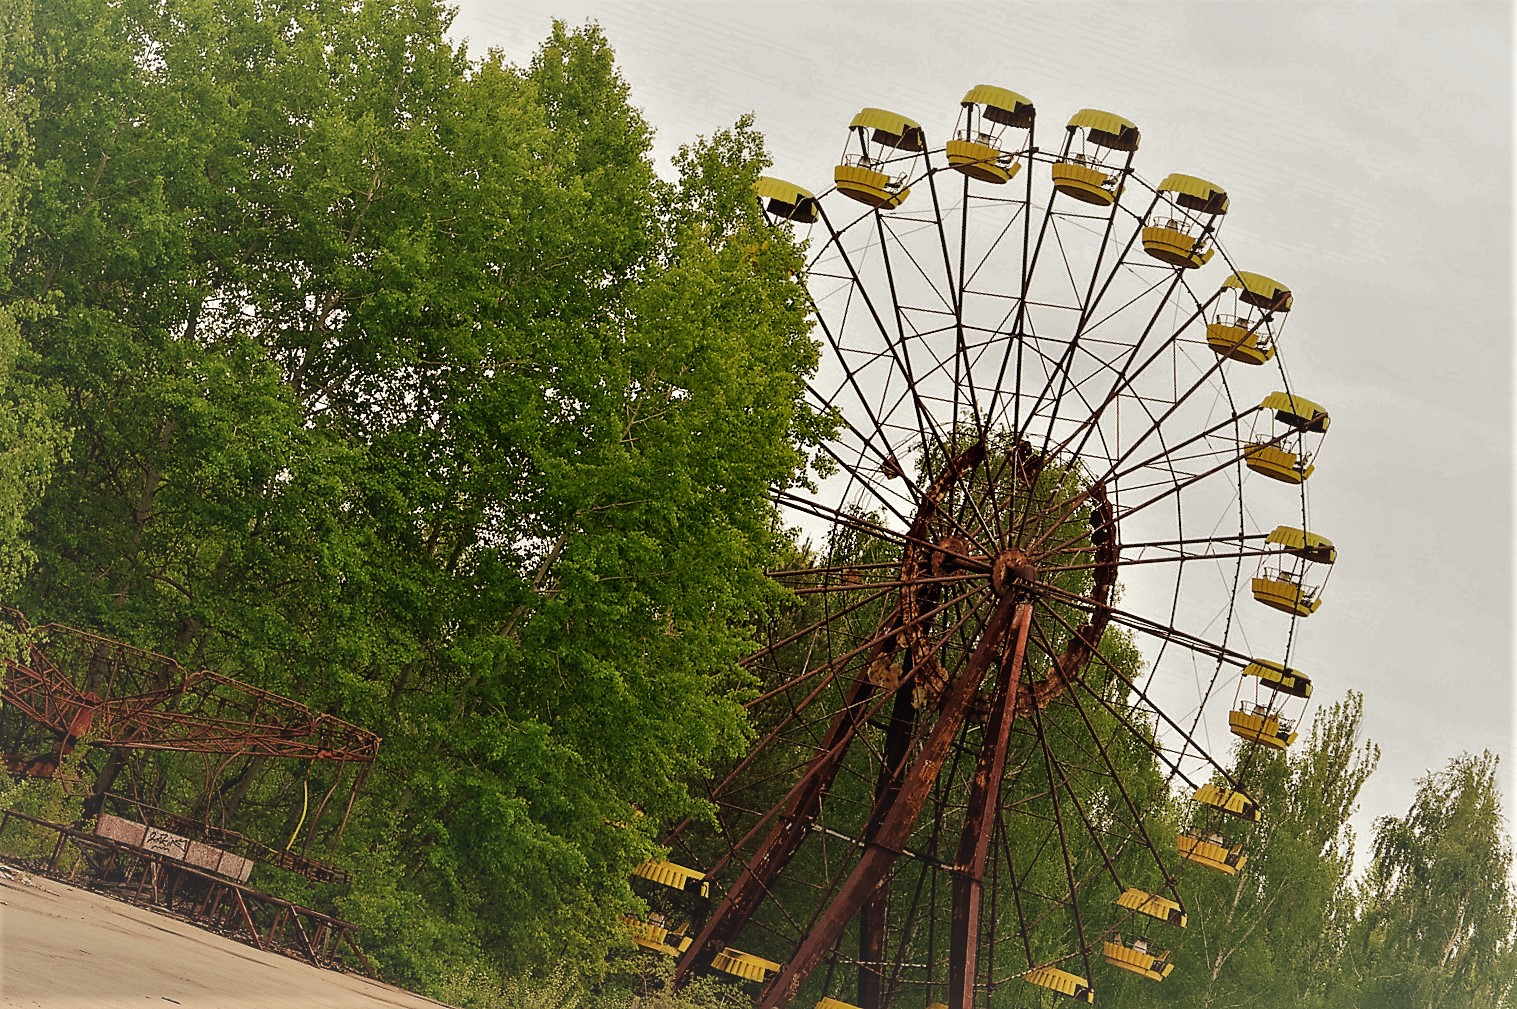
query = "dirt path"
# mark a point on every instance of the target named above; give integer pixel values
(66, 948)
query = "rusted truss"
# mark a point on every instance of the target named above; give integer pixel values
(76, 683)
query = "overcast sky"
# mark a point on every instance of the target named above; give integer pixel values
(1367, 149)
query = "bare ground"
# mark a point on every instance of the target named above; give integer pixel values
(66, 948)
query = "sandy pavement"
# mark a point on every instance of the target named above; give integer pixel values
(66, 948)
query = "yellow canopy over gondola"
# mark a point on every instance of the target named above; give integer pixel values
(676, 876)
(1296, 411)
(787, 200)
(1000, 105)
(1195, 194)
(891, 129)
(1106, 129)
(1061, 981)
(1280, 678)
(1228, 800)
(832, 1003)
(744, 965)
(1308, 546)
(1260, 291)
(1154, 906)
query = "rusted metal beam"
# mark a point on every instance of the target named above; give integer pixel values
(805, 801)
(979, 822)
(73, 682)
(245, 904)
(247, 918)
(884, 845)
(873, 919)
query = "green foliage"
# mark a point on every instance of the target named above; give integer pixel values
(1439, 911)
(400, 383)
(28, 431)
(58, 800)
(560, 988)
(1267, 936)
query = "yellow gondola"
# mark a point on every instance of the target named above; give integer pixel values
(744, 965)
(1280, 678)
(1137, 957)
(787, 200)
(668, 918)
(653, 935)
(1160, 908)
(832, 1003)
(1282, 587)
(1061, 981)
(1282, 590)
(1278, 463)
(1181, 231)
(1090, 173)
(1211, 851)
(1241, 337)
(978, 148)
(1283, 454)
(1263, 726)
(1228, 800)
(861, 175)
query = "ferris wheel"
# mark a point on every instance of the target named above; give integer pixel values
(1058, 555)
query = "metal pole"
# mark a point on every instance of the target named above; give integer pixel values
(979, 820)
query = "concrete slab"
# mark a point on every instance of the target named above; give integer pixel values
(66, 948)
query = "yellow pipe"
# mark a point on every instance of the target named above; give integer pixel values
(304, 805)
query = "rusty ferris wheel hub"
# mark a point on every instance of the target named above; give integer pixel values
(1012, 571)
(966, 529)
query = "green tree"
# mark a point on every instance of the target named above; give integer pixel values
(1270, 935)
(400, 383)
(1437, 926)
(28, 436)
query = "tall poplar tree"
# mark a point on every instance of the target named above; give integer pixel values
(1438, 928)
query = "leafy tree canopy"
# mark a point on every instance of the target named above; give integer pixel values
(398, 381)
(28, 434)
(1439, 911)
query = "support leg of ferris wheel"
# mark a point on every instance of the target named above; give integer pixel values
(979, 821)
(885, 843)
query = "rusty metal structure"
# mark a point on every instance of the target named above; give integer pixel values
(170, 877)
(1019, 618)
(179, 750)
